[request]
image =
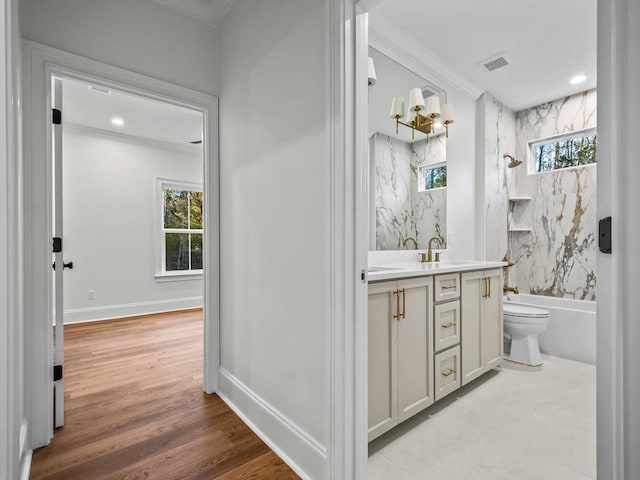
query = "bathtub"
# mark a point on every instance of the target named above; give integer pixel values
(572, 326)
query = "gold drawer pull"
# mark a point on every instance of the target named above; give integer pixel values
(451, 371)
(448, 325)
(396, 293)
(447, 287)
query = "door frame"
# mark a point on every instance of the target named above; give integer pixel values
(40, 63)
(616, 382)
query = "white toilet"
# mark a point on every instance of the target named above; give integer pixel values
(522, 325)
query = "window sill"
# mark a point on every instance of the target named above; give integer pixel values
(178, 277)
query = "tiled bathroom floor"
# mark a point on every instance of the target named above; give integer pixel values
(517, 423)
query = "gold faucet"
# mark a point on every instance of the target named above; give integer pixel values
(413, 240)
(429, 255)
(510, 289)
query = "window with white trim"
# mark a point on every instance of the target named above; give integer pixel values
(432, 176)
(564, 151)
(181, 228)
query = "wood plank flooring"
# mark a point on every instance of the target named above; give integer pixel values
(135, 409)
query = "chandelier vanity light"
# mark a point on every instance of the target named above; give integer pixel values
(422, 116)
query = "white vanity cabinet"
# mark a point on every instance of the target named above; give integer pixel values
(446, 334)
(429, 334)
(400, 351)
(481, 322)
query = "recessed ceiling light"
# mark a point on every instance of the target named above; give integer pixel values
(117, 121)
(578, 79)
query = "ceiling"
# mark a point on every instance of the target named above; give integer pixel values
(547, 42)
(143, 117)
(208, 11)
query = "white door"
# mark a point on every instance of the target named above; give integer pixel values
(58, 260)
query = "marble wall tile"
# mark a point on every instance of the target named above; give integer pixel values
(499, 139)
(400, 210)
(558, 257)
(429, 207)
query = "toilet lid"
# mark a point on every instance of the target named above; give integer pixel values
(516, 310)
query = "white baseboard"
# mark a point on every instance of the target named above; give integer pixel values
(106, 312)
(304, 454)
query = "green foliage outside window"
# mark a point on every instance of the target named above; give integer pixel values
(565, 153)
(182, 222)
(435, 177)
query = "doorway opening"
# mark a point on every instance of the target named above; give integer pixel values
(128, 208)
(114, 193)
(489, 211)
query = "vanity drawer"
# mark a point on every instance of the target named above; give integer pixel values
(447, 372)
(446, 287)
(446, 325)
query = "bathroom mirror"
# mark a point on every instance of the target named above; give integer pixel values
(408, 194)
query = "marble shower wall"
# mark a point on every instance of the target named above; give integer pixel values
(430, 206)
(499, 139)
(400, 210)
(558, 257)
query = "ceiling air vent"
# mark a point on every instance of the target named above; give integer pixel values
(495, 63)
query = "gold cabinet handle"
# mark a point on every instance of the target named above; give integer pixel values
(486, 287)
(448, 325)
(396, 293)
(451, 371)
(489, 285)
(447, 287)
(404, 304)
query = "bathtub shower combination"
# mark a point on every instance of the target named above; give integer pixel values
(570, 333)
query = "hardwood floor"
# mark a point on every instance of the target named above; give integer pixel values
(135, 409)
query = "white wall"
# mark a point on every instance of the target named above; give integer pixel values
(14, 458)
(139, 35)
(275, 234)
(462, 227)
(110, 224)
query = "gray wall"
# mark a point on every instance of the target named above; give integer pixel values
(275, 230)
(139, 35)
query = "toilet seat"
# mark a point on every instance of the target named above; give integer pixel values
(523, 311)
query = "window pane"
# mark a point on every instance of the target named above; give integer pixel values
(196, 209)
(571, 152)
(175, 208)
(196, 251)
(435, 177)
(177, 251)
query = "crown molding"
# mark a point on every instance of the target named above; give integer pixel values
(389, 40)
(210, 12)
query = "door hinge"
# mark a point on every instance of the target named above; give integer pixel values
(57, 373)
(57, 244)
(56, 116)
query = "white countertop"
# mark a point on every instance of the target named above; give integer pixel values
(378, 271)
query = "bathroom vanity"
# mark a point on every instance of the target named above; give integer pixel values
(432, 328)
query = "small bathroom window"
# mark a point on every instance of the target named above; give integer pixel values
(564, 151)
(432, 176)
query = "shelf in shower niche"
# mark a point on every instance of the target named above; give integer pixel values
(519, 199)
(520, 229)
